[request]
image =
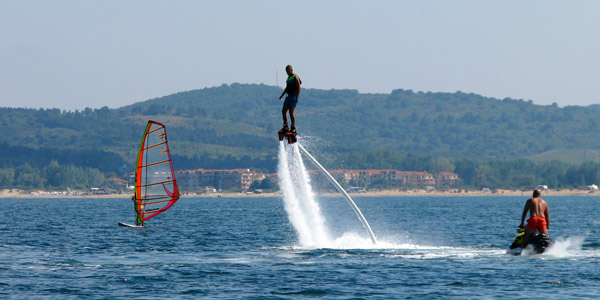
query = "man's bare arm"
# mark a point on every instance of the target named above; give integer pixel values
(547, 216)
(299, 88)
(527, 204)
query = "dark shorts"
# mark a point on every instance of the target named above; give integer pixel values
(290, 101)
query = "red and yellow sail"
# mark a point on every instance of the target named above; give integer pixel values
(155, 185)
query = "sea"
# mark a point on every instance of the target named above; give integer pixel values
(250, 248)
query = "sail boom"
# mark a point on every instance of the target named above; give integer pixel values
(157, 183)
(155, 130)
(154, 146)
(156, 202)
(156, 163)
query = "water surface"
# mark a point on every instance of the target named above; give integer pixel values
(223, 248)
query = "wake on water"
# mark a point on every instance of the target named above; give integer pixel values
(299, 199)
(304, 212)
(568, 247)
(305, 216)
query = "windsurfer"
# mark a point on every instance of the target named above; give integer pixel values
(539, 218)
(155, 193)
(292, 90)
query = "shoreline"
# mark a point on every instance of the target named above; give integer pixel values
(14, 193)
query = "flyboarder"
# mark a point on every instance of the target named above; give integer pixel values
(292, 89)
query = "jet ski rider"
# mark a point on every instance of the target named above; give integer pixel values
(539, 217)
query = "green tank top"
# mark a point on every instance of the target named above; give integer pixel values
(292, 85)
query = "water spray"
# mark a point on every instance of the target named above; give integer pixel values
(357, 211)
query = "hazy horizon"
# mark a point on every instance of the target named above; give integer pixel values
(75, 54)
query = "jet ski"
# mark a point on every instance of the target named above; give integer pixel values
(285, 133)
(538, 242)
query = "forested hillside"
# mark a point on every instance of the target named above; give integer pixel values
(456, 125)
(234, 126)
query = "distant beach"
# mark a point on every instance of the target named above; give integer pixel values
(15, 193)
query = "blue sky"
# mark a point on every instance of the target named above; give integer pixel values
(77, 54)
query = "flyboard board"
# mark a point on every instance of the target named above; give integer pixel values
(289, 135)
(538, 243)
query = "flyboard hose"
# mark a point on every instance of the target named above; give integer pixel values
(342, 191)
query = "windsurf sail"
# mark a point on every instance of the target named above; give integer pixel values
(155, 185)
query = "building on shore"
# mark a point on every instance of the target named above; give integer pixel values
(241, 179)
(233, 179)
(447, 178)
(392, 178)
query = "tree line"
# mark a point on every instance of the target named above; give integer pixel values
(475, 174)
(500, 173)
(54, 177)
(241, 119)
(522, 173)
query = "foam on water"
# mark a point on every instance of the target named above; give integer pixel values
(565, 247)
(570, 247)
(299, 199)
(305, 214)
(303, 209)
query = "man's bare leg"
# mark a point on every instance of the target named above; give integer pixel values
(526, 236)
(293, 117)
(284, 113)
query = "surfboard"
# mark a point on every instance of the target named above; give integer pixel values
(131, 225)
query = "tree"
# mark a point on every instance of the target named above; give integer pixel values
(441, 164)
(53, 174)
(379, 184)
(7, 177)
(268, 184)
(255, 185)
(28, 177)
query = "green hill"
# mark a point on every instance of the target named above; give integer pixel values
(569, 156)
(235, 126)
(454, 125)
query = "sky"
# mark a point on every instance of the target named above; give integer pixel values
(73, 54)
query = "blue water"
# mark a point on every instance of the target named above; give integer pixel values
(224, 248)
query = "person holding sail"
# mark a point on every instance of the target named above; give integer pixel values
(138, 216)
(292, 89)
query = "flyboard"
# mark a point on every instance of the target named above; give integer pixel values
(289, 135)
(538, 242)
(155, 185)
(292, 139)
